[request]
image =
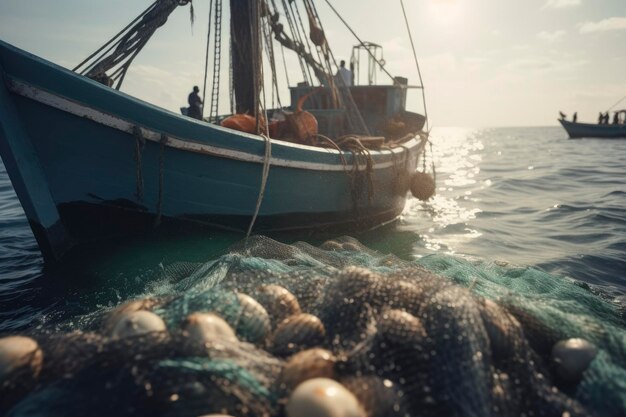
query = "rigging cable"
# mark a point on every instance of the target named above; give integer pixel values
(618, 101)
(217, 62)
(295, 34)
(110, 41)
(419, 73)
(355, 119)
(206, 60)
(300, 27)
(359, 40)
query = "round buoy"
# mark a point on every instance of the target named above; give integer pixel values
(205, 328)
(19, 352)
(308, 364)
(572, 358)
(278, 302)
(422, 186)
(113, 316)
(137, 323)
(323, 397)
(297, 333)
(254, 322)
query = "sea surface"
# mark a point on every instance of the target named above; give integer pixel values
(525, 197)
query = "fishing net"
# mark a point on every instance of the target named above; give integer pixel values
(439, 336)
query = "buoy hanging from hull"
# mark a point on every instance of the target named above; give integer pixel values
(422, 186)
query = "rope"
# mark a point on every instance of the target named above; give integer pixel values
(269, 50)
(265, 174)
(296, 36)
(359, 40)
(121, 52)
(282, 52)
(419, 73)
(206, 59)
(618, 101)
(140, 143)
(114, 38)
(159, 207)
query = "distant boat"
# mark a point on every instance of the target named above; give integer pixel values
(89, 162)
(577, 130)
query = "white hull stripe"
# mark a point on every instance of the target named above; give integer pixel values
(82, 110)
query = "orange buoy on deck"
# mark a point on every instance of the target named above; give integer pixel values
(242, 123)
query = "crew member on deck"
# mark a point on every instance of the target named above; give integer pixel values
(344, 75)
(616, 118)
(195, 104)
(575, 117)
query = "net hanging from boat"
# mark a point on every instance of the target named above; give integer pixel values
(440, 336)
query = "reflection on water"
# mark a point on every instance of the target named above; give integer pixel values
(457, 156)
(527, 196)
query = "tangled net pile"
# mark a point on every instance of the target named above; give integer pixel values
(402, 340)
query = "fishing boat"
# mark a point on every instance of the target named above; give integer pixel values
(90, 162)
(577, 130)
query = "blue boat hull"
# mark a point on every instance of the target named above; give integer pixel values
(89, 162)
(588, 130)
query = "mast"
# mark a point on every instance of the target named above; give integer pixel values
(246, 54)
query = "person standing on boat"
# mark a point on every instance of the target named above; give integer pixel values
(575, 117)
(616, 118)
(195, 104)
(344, 75)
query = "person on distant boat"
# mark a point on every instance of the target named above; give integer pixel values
(600, 118)
(575, 117)
(616, 118)
(195, 104)
(344, 75)
(563, 115)
(606, 118)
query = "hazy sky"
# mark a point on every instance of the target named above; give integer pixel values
(484, 62)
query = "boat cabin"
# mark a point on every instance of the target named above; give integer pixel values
(382, 107)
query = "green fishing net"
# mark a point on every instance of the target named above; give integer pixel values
(438, 336)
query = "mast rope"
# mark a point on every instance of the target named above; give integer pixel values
(269, 50)
(301, 32)
(618, 101)
(123, 48)
(282, 53)
(419, 73)
(217, 62)
(206, 59)
(355, 119)
(296, 43)
(359, 40)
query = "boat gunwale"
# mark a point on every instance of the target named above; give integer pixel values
(48, 96)
(44, 96)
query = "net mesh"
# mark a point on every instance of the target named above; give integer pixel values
(440, 336)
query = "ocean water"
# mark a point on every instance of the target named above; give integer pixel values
(525, 197)
(522, 216)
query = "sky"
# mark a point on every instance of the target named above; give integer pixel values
(484, 63)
